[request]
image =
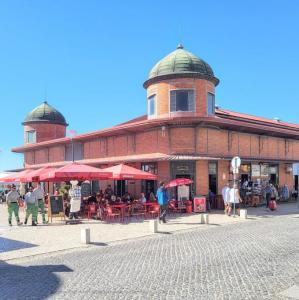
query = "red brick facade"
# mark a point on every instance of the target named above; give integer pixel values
(167, 137)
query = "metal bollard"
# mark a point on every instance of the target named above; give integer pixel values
(206, 218)
(153, 226)
(243, 213)
(85, 236)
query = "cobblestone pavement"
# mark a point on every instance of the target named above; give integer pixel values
(255, 260)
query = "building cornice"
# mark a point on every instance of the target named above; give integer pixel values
(220, 121)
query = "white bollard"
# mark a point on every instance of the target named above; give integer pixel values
(243, 213)
(202, 219)
(206, 218)
(153, 226)
(85, 236)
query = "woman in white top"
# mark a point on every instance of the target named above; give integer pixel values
(225, 196)
(234, 199)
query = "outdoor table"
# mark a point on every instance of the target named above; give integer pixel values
(121, 207)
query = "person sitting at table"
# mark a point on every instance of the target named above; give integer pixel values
(142, 198)
(109, 191)
(126, 198)
(92, 199)
(113, 199)
(152, 197)
(98, 198)
(118, 200)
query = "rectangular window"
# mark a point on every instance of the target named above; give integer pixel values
(31, 137)
(213, 177)
(74, 152)
(211, 104)
(182, 100)
(152, 105)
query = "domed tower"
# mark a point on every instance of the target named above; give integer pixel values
(181, 85)
(44, 123)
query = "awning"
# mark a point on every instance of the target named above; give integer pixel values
(35, 174)
(15, 177)
(75, 171)
(124, 172)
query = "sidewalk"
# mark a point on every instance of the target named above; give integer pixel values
(17, 242)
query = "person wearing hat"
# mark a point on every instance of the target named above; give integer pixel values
(31, 206)
(12, 199)
(39, 193)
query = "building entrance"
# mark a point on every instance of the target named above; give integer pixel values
(184, 169)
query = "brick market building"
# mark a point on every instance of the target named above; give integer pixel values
(183, 134)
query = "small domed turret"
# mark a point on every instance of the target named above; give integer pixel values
(181, 63)
(45, 113)
(44, 123)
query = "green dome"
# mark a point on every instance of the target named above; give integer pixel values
(180, 63)
(45, 113)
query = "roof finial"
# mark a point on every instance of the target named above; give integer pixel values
(180, 46)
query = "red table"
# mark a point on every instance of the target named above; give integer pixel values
(121, 207)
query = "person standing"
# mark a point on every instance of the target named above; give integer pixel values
(225, 195)
(40, 193)
(12, 199)
(31, 206)
(234, 200)
(163, 201)
(268, 192)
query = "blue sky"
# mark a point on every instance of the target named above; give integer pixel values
(89, 59)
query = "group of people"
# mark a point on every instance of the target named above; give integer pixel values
(103, 200)
(33, 200)
(231, 198)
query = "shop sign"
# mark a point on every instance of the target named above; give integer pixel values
(199, 204)
(265, 170)
(255, 170)
(236, 163)
(182, 168)
(183, 192)
(85, 189)
(273, 170)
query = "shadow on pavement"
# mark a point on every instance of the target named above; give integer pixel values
(98, 244)
(10, 245)
(32, 282)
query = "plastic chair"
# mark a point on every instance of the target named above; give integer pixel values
(154, 211)
(111, 215)
(92, 210)
(172, 207)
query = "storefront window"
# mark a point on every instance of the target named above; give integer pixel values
(255, 170)
(213, 177)
(151, 168)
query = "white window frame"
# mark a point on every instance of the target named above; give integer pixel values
(27, 136)
(183, 111)
(148, 105)
(213, 104)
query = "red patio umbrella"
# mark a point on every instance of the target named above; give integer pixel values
(75, 171)
(15, 177)
(177, 182)
(124, 172)
(35, 174)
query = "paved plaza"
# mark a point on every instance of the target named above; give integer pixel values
(253, 259)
